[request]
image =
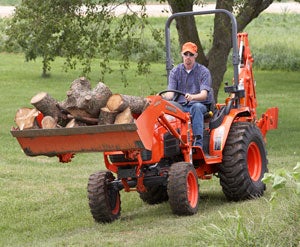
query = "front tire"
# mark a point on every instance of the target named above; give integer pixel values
(104, 200)
(244, 163)
(183, 189)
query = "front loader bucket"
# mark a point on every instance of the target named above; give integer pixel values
(98, 138)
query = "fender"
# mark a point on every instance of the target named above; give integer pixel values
(219, 135)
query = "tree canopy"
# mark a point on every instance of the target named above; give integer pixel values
(81, 30)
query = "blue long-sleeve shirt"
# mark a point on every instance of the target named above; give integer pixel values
(192, 82)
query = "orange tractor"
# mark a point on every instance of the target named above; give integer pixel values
(155, 155)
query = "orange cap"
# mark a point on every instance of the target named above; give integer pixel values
(189, 46)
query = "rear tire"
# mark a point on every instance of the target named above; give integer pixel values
(244, 163)
(104, 200)
(155, 195)
(183, 189)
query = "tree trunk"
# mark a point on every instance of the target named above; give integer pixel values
(249, 11)
(186, 27)
(222, 43)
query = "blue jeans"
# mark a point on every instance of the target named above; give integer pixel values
(197, 111)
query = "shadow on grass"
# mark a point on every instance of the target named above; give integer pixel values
(208, 201)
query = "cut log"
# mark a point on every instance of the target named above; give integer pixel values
(78, 87)
(119, 102)
(82, 101)
(124, 117)
(48, 106)
(102, 90)
(78, 84)
(84, 106)
(137, 104)
(87, 120)
(106, 116)
(25, 118)
(71, 124)
(75, 123)
(48, 122)
(116, 103)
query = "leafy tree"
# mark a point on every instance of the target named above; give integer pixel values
(81, 30)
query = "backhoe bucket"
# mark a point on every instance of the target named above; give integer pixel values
(98, 138)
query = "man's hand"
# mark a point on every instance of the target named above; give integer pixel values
(168, 95)
(189, 97)
(200, 96)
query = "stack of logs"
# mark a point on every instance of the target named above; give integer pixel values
(83, 106)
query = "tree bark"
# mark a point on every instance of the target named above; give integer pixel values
(222, 44)
(87, 120)
(186, 27)
(82, 101)
(106, 116)
(136, 104)
(249, 11)
(119, 102)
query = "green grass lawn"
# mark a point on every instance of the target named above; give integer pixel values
(44, 202)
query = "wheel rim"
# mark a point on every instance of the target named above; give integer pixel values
(114, 199)
(254, 161)
(115, 203)
(192, 189)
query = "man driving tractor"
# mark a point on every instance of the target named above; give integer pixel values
(194, 80)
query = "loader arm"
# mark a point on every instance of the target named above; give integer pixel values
(157, 112)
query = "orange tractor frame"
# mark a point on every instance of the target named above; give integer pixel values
(155, 155)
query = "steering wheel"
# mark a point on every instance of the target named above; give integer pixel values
(177, 94)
